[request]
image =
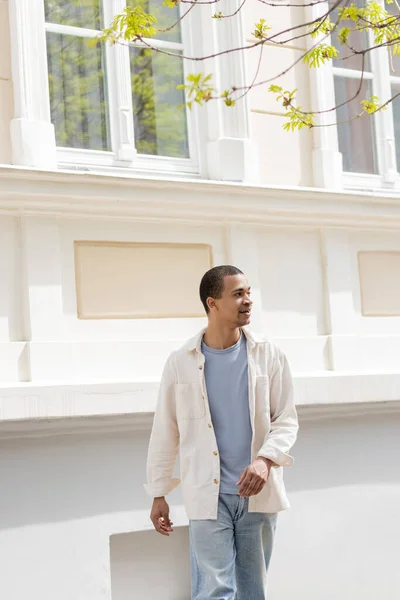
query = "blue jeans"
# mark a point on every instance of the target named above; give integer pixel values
(230, 556)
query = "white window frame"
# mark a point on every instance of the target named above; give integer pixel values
(223, 148)
(322, 83)
(123, 152)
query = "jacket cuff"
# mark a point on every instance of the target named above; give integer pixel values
(281, 459)
(155, 490)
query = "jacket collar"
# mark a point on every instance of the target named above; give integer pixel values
(195, 342)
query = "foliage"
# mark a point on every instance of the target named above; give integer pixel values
(198, 88)
(341, 22)
(131, 25)
(78, 90)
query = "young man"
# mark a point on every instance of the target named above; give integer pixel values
(226, 404)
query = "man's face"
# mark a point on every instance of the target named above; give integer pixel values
(234, 307)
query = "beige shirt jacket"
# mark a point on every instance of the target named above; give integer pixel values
(182, 423)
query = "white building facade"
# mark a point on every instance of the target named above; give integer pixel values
(113, 203)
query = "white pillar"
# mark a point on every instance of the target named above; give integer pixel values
(32, 133)
(231, 155)
(326, 158)
(119, 73)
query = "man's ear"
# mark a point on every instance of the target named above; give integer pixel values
(211, 303)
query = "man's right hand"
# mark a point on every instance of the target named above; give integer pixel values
(160, 516)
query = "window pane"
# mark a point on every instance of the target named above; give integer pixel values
(356, 137)
(78, 97)
(78, 13)
(165, 17)
(357, 40)
(160, 126)
(396, 119)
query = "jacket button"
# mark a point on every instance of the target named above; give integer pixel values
(200, 367)
(216, 481)
(215, 453)
(210, 425)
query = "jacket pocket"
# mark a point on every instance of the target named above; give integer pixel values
(189, 401)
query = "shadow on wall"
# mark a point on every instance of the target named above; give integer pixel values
(68, 477)
(57, 479)
(347, 451)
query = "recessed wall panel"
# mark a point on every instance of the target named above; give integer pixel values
(379, 274)
(118, 280)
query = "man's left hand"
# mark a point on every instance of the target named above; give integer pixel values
(254, 477)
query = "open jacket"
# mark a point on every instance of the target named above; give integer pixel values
(182, 422)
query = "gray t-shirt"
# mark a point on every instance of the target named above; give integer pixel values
(228, 395)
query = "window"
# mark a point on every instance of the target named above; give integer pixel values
(367, 144)
(116, 105)
(356, 136)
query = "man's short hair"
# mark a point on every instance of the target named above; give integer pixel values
(212, 283)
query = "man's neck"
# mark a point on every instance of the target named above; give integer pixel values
(220, 338)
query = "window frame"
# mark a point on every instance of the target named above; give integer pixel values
(118, 84)
(388, 174)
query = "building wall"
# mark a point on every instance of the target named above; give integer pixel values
(285, 157)
(6, 97)
(75, 523)
(74, 509)
(80, 361)
(308, 289)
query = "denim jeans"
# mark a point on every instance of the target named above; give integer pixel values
(230, 556)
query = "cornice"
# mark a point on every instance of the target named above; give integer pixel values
(98, 424)
(34, 408)
(26, 191)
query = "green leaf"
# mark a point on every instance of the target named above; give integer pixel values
(261, 29)
(320, 55)
(275, 88)
(344, 35)
(197, 89)
(131, 25)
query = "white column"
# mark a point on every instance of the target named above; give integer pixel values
(242, 251)
(121, 93)
(32, 133)
(231, 155)
(42, 258)
(341, 322)
(326, 158)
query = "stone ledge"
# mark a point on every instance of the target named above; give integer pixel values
(97, 424)
(25, 191)
(70, 407)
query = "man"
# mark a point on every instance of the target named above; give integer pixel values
(226, 403)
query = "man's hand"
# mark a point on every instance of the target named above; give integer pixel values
(160, 516)
(254, 477)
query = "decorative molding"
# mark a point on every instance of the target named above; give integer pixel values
(231, 154)
(120, 92)
(37, 428)
(42, 402)
(32, 134)
(30, 191)
(326, 159)
(335, 411)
